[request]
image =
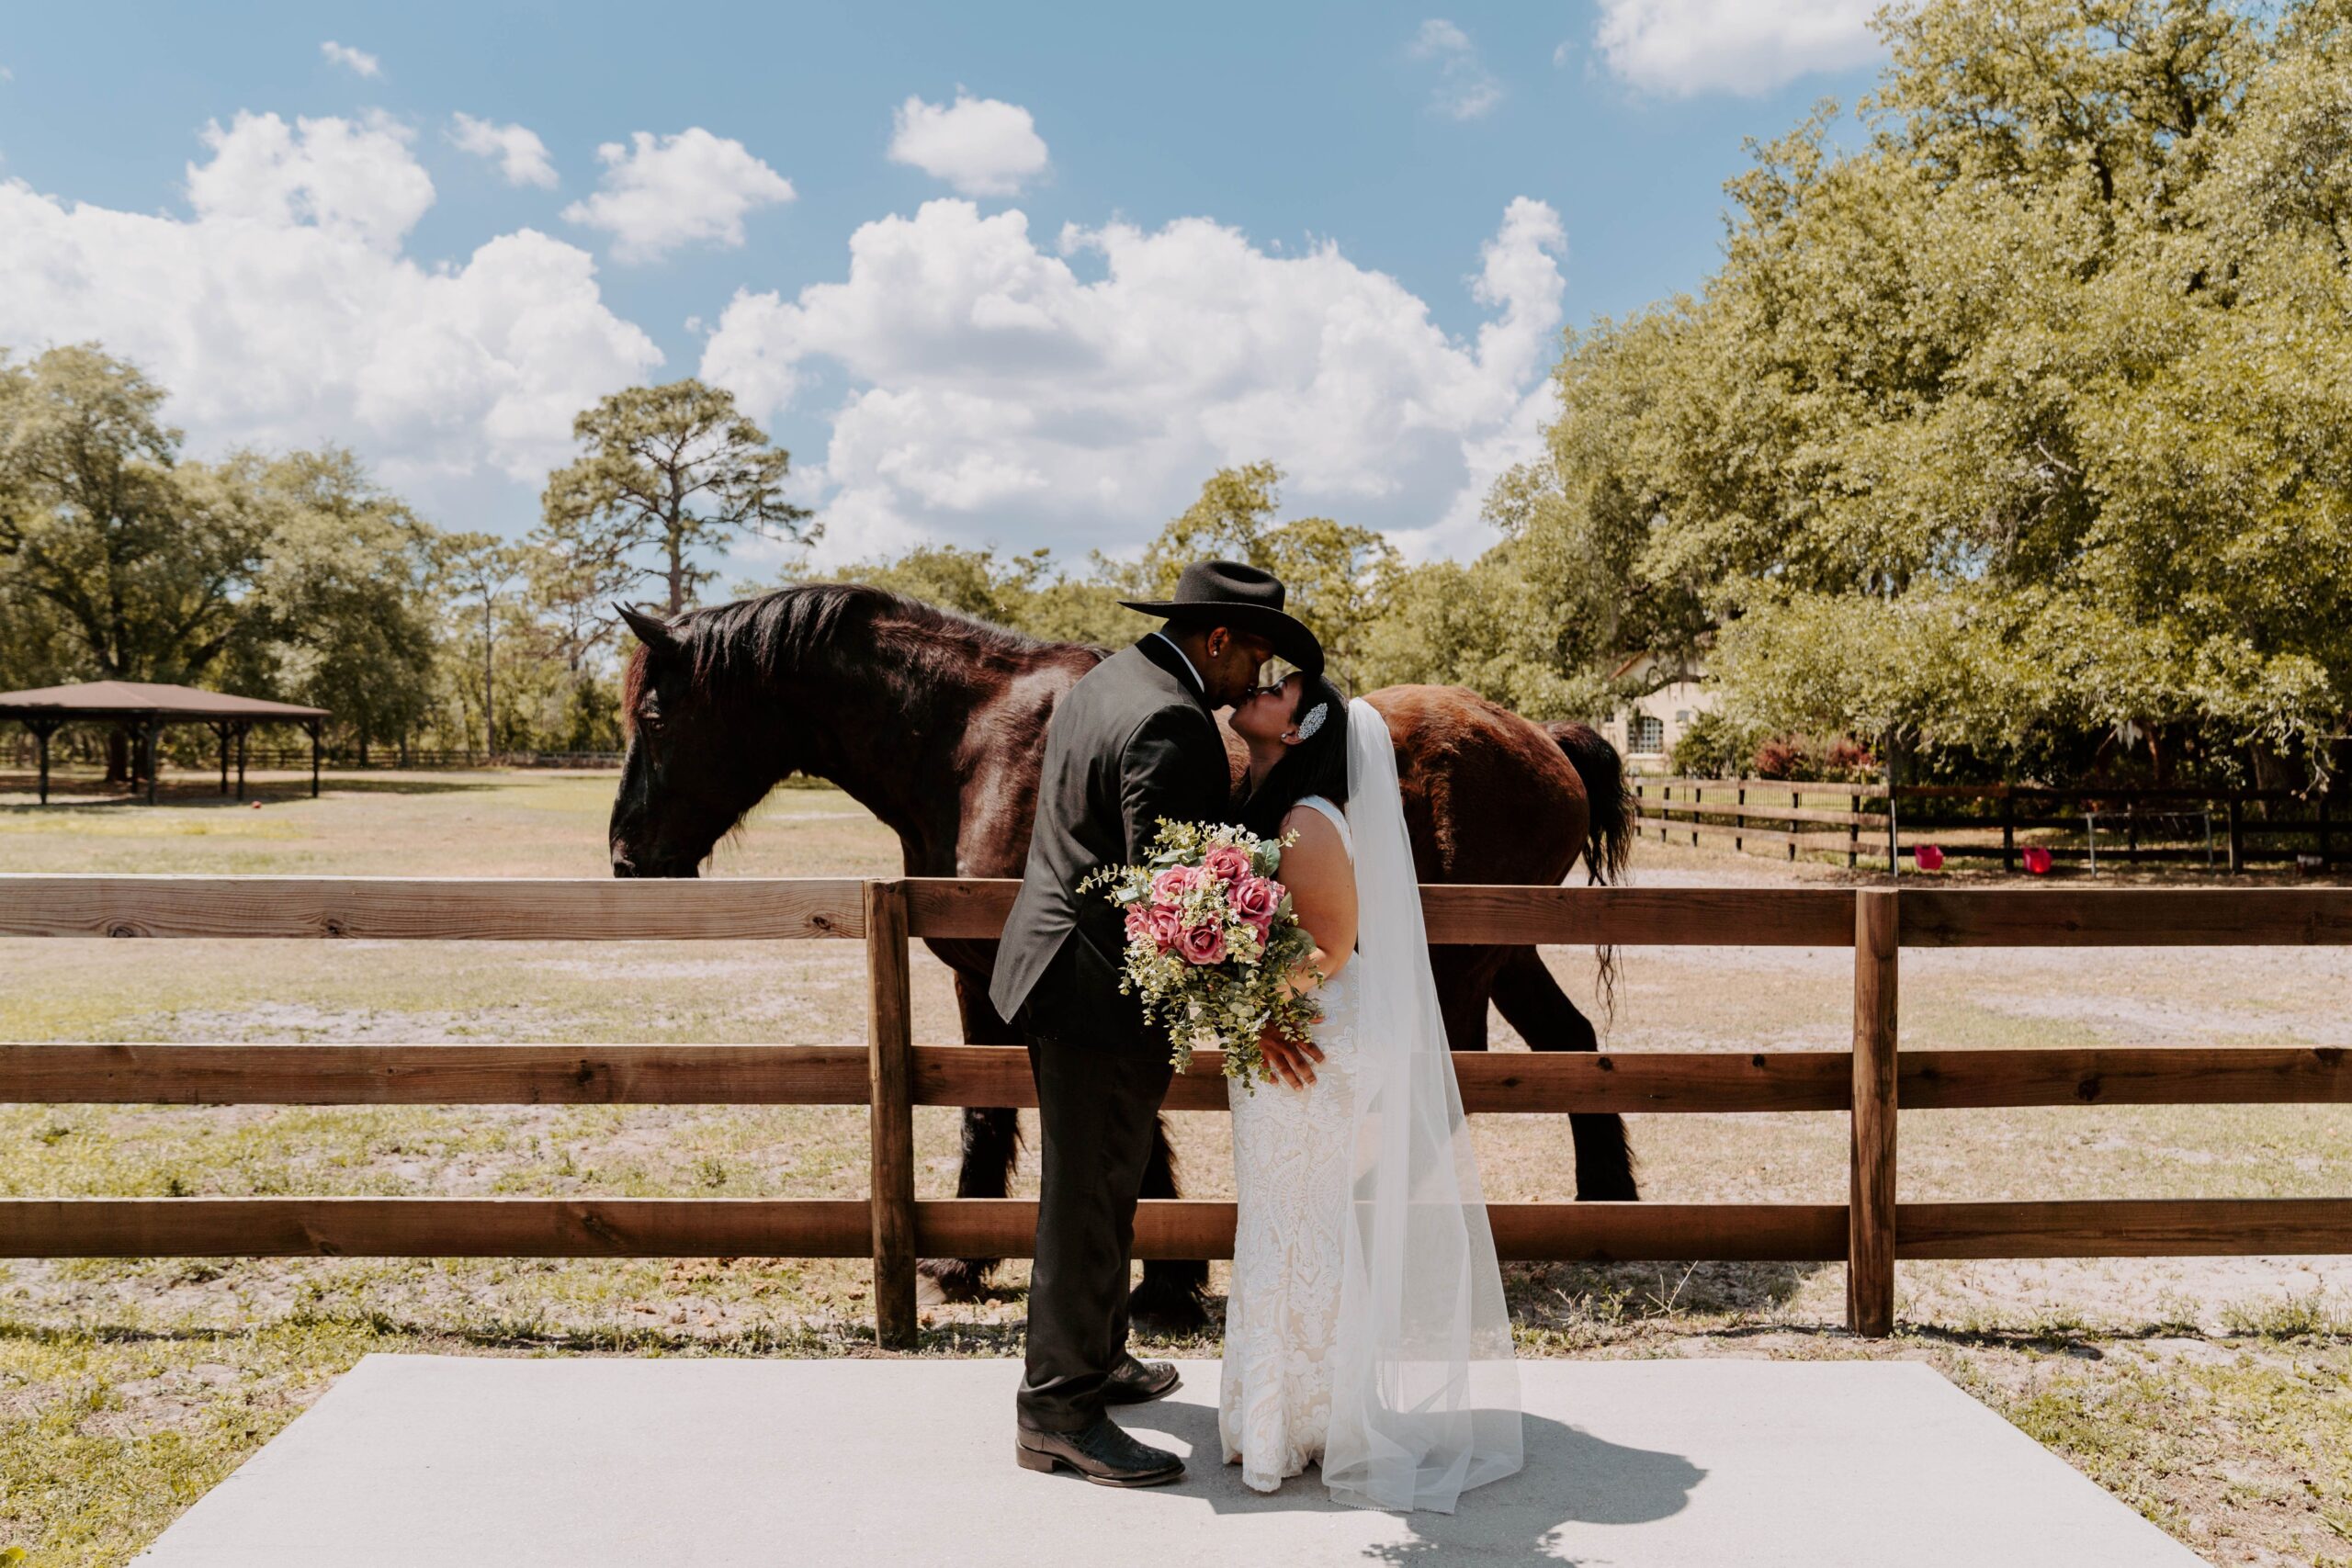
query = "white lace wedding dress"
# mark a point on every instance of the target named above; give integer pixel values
(1292, 1171)
(1365, 1329)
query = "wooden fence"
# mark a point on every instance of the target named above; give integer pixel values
(2224, 828)
(21, 755)
(891, 1075)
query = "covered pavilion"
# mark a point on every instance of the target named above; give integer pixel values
(142, 708)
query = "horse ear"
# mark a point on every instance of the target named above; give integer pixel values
(651, 630)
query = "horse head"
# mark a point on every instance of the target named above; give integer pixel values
(690, 772)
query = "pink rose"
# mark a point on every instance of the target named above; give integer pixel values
(1226, 862)
(1170, 885)
(1200, 944)
(1155, 924)
(1255, 899)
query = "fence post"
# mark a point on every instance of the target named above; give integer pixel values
(2237, 835)
(2009, 829)
(1869, 1215)
(889, 1034)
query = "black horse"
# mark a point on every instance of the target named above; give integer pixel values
(935, 723)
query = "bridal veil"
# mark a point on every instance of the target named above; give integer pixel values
(1425, 1394)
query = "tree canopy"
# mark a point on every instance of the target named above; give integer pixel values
(138, 561)
(2026, 420)
(669, 469)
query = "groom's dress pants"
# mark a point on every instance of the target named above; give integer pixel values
(1099, 1092)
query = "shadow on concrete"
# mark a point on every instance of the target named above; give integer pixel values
(1572, 1477)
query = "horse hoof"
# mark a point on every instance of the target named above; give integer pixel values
(1175, 1308)
(942, 1279)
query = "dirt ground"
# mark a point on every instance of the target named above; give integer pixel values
(2212, 1393)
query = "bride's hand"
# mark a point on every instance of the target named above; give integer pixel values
(1290, 1061)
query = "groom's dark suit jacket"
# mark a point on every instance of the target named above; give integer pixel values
(1134, 741)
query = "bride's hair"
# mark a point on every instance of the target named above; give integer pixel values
(1317, 765)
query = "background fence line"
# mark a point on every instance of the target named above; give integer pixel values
(2225, 829)
(891, 1074)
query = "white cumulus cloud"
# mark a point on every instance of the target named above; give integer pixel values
(350, 59)
(283, 312)
(1465, 88)
(352, 179)
(663, 192)
(521, 156)
(1687, 47)
(994, 393)
(981, 146)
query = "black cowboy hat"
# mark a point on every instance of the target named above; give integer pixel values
(1246, 598)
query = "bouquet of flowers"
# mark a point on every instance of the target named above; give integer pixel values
(1211, 937)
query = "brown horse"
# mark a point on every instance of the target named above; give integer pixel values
(936, 724)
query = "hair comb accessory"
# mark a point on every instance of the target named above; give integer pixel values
(1314, 720)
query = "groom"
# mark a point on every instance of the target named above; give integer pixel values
(1134, 741)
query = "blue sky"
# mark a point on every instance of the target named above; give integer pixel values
(1115, 247)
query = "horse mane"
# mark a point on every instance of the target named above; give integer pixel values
(794, 628)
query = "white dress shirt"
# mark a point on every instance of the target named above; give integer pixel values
(1199, 685)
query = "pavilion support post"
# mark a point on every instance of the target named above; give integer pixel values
(243, 730)
(312, 726)
(1870, 1212)
(223, 732)
(42, 732)
(147, 749)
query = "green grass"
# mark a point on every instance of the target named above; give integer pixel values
(128, 1386)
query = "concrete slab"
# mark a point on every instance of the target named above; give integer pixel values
(458, 1462)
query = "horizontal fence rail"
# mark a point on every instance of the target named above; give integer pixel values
(890, 1075)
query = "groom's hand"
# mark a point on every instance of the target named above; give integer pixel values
(1291, 1061)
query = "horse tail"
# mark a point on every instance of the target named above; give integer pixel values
(1609, 799)
(1610, 815)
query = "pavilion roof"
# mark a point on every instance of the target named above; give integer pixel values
(144, 699)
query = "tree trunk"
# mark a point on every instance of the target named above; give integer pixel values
(489, 676)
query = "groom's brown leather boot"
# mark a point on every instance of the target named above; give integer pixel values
(1139, 1383)
(1104, 1453)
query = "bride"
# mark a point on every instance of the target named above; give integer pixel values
(1365, 1328)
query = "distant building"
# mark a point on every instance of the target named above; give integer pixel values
(1646, 731)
